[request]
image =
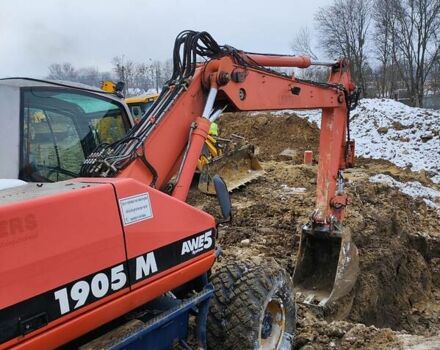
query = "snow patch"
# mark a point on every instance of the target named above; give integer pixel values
(292, 190)
(412, 188)
(387, 129)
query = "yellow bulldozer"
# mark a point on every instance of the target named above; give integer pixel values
(232, 158)
(139, 105)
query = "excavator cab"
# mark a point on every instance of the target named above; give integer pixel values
(57, 128)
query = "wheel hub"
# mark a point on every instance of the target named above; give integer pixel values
(273, 325)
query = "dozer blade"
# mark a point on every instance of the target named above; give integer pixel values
(236, 168)
(327, 266)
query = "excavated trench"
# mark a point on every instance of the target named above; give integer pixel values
(397, 236)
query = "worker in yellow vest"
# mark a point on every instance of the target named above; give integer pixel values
(213, 129)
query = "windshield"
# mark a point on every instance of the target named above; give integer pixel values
(62, 127)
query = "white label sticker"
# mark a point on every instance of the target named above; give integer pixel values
(136, 208)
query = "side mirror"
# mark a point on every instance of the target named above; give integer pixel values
(224, 199)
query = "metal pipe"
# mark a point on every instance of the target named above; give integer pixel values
(198, 137)
(188, 145)
(214, 116)
(209, 102)
(279, 60)
(323, 63)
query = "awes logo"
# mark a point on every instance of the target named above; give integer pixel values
(197, 244)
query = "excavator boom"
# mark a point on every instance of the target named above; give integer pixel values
(233, 80)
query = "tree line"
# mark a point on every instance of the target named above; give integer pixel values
(139, 77)
(393, 47)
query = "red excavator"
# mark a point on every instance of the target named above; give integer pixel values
(117, 259)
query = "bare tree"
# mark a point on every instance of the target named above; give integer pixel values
(434, 79)
(62, 71)
(87, 75)
(160, 72)
(156, 69)
(92, 76)
(167, 70)
(416, 42)
(138, 77)
(343, 28)
(125, 71)
(141, 77)
(302, 43)
(383, 47)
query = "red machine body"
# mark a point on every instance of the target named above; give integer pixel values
(76, 255)
(66, 248)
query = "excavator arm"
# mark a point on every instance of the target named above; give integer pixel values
(256, 89)
(168, 142)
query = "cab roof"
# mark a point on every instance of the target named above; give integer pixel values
(22, 82)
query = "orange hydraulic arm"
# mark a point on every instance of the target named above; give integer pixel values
(251, 89)
(169, 141)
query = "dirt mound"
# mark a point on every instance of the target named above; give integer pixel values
(397, 236)
(317, 334)
(273, 135)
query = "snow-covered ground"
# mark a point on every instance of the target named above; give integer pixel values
(411, 188)
(387, 129)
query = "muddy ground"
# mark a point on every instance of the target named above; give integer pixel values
(396, 300)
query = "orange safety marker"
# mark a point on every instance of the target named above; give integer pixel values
(308, 157)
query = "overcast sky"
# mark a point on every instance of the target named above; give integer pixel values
(34, 34)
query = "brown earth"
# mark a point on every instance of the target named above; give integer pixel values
(272, 135)
(397, 236)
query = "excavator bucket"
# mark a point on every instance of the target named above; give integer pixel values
(327, 267)
(236, 168)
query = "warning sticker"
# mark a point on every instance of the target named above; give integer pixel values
(136, 208)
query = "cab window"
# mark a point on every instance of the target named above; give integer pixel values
(136, 112)
(139, 109)
(60, 128)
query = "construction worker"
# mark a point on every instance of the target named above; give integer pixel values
(213, 129)
(38, 117)
(110, 128)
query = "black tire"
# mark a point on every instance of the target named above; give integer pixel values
(224, 280)
(240, 306)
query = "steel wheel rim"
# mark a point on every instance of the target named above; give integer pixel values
(272, 326)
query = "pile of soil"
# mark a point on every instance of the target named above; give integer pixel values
(273, 135)
(398, 288)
